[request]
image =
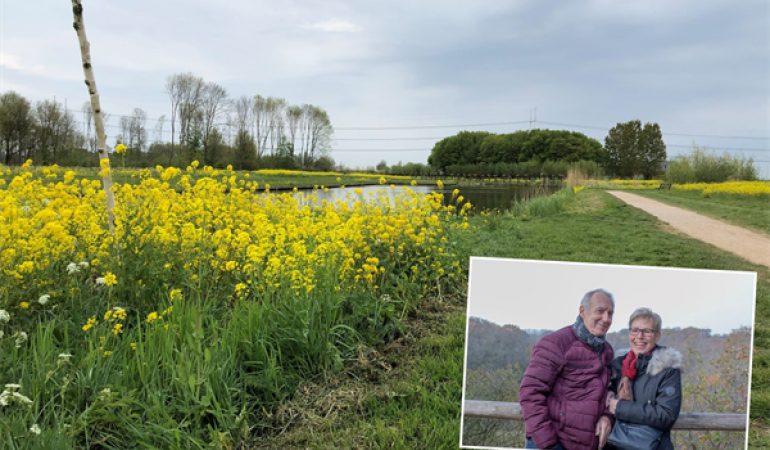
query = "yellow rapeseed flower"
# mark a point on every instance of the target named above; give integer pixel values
(110, 279)
(90, 324)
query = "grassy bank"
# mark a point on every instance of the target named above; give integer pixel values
(408, 395)
(259, 179)
(746, 211)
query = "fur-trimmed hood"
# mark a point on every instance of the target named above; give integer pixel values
(662, 359)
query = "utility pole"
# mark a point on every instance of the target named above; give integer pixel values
(532, 119)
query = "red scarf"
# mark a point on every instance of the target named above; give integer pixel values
(628, 369)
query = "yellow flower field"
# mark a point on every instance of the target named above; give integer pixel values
(622, 184)
(747, 188)
(264, 242)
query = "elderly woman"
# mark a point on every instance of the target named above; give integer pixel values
(648, 384)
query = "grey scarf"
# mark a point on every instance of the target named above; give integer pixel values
(584, 335)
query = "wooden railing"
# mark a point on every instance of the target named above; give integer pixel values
(686, 421)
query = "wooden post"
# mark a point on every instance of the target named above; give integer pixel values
(85, 52)
(686, 421)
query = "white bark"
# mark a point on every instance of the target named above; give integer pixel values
(85, 51)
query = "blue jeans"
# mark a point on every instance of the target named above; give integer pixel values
(531, 444)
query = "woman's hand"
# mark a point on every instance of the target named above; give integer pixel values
(610, 395)
(612, 403)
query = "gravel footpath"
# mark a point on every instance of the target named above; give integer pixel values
(744, 243)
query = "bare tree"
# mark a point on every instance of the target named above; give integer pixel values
(137, 129)
(174, 89)
(293, 118)
(213, 104)
(277, 110)
(244, 108)
(189, 107)
(125, 131)
(261, 118)
(48, 116)
(77, 11)
(316, 130)
(159, 129)
(88, 119)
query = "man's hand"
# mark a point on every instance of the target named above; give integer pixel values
(603, 428)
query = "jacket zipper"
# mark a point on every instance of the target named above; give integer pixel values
(603, 398)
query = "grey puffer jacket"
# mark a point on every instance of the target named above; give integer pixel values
(657, 391)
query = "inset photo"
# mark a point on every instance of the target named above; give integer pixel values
(580, 356)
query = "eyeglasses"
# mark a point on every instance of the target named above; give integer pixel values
(644, 332)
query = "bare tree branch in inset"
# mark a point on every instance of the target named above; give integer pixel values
(85, 52)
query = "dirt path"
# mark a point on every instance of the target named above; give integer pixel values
(744, 243)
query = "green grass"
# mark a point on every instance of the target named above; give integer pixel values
(413, 399)
(749, 212)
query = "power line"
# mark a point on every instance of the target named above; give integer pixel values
(377, 150)
(391, 139)
(423, 127)
(665, 134)
(723, 148)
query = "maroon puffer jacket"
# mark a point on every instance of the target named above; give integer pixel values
(563, 391)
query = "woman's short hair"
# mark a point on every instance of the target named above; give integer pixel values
(646, 313)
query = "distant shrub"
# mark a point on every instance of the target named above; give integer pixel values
(704, 166)
(680, 171)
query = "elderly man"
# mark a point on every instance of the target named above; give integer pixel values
(564, 388)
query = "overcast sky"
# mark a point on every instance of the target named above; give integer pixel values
(695, 67)
(546, 295)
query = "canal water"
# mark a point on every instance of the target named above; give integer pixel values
(483, 198)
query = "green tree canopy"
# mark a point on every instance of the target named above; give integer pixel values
(467, 148)
(634, 150)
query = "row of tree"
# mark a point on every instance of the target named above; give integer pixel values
(481, 147)
(45, 131)
(529, 169)
(206, 125)
(258, 125)
(630, 149)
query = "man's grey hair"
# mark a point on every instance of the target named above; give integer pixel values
(587, 298)
(646, 313)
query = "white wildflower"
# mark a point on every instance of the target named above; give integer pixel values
(22, 398)
(84, 264)
(72, 268)
(21, 337)
(43, 299)
(4, 316)
(1, 334)
(100, 280)
(35, 429)
(64, 356)
(26, 209)
(10, 396)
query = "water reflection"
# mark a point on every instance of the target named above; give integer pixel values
(500, 197)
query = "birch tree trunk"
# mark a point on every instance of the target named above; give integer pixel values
(77, 11)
